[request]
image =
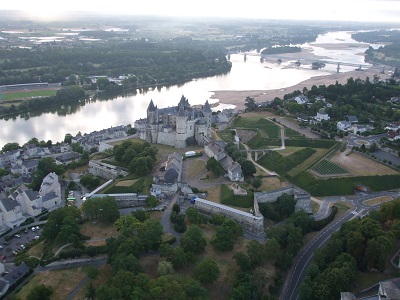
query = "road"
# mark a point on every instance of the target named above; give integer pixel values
(298, 272)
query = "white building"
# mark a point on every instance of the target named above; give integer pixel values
(322, 115)
(301, 99)
(343, 125)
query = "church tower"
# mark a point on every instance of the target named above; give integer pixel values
(207, 112)
(180, 141)
(152, 120)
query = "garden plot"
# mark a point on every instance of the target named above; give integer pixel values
(328, 168)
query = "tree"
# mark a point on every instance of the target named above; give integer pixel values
(256, 183)
(214, 166)
(193, 240)
(250, 104)
(248, 168)
(125, 262)
(193, 215)
(165, 268)
(256, 253)
(91, 291)
(106, 209)
(207, 270)
(226, 235)
(176, 208)
(92, 272)
(10, 146)
(151, 201)
(40, 292)
(243, 261)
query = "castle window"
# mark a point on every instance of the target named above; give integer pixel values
(190, 127)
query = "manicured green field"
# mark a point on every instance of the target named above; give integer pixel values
(326, 167)
(27, 94)
(271, 129)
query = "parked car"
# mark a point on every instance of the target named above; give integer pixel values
(1, 247)
(3, 257)
(33, 228)
(4, 274)
(17, 236)
(6, 243)
(36, 237)
(37, 227)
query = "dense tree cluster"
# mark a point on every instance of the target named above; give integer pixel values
(63, 225)
(359, 245)
(139, 158)
(248, 168)
(104, 209)
(280, 209)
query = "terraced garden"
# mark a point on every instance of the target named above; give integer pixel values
(269, 128)
(326, 167)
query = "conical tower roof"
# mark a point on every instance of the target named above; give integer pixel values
(151, 106)
(181, 111)
(207, 107)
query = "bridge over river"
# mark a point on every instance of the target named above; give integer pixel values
(307, 61)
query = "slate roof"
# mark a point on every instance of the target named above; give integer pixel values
(9, 204)
(49, 196)
(352, 119)
(32, 195)
(17, 273)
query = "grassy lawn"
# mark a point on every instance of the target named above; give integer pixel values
(228, 198)
(269, 128)
(377, 200)
(289, 150)
(28, 94)
(140, 186)
(104, 275)
(62, 281)
(79, 170)
(195, 167)
(36, 250)
(98, 230)
(309, 161)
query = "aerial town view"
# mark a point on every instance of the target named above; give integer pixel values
(214, 150)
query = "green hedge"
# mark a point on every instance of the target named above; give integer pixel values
(228, 198)
(325, 144)
(344, 186)
(318, 225)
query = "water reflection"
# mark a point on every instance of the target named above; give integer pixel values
(103, 112)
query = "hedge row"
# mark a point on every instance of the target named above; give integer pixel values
(343, 186)
(325, 144)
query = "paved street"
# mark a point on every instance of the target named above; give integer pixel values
(297, 273)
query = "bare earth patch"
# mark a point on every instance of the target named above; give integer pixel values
(36, 250)
(214, 194)
(98, 230)
(378, 200)
(62, 281)
(95, 243)
(359, 165)
(126, 182)
(245, 135)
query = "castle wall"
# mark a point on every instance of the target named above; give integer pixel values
(272, 196)
(166, 138)
(249, 222)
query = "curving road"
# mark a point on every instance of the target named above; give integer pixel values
(297, 273)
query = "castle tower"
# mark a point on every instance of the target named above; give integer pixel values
(207, 112)
(180, 141)
(152, 128)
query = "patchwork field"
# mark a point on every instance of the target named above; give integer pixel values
(359, 165)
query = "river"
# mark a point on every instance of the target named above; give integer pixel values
(123, 110)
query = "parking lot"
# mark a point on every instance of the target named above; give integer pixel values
(15, 242)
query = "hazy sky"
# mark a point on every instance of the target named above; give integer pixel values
(343, 10)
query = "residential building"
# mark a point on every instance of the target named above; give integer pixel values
(393, 136)
(352, 119)
(11, 212)
(322, 115)
(301, 99)
(68, 157)
(343, 125)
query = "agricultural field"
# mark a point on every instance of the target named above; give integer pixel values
(328, 168)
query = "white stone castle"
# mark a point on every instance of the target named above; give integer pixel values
(177, 126)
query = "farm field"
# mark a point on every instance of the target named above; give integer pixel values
(359, 165)
(326, 167)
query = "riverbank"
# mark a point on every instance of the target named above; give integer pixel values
(237, 98)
